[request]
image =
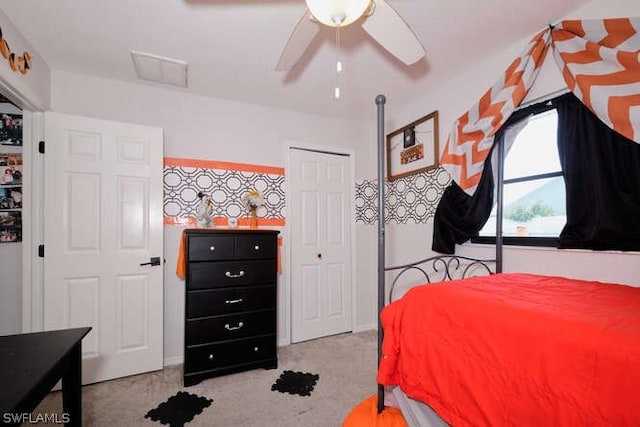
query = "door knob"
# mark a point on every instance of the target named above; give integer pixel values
(319, 256)
(152, 261)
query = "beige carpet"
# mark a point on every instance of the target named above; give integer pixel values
(345, 363)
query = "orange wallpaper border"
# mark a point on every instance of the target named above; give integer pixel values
(217, 164)
(224, 222)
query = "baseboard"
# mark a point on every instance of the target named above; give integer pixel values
(282, 342)
(175, 360)
(362, 328)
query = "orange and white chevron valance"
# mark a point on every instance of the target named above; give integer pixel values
(600, 62)
(471, 139)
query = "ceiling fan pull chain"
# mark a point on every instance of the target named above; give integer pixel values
(336, 92)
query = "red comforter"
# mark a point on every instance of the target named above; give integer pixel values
(517, 350)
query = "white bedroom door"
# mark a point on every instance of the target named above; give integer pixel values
(320, 244)
(102, 222)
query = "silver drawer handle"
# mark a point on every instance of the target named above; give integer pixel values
(233, 328)
(233, 301)
(256, 349)
(228, 274)
(212, 248)
(211, 357)
(256, 247)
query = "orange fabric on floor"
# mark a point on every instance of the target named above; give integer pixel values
(366, 415)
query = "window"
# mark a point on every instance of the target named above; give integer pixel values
(534, 207)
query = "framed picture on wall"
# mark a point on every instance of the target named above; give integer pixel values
(10, 198)
(11, 129)
(10, 226)
(413, 148)
(10, 169)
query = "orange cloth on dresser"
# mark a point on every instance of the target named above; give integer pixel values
(278, 256)
(181, 264)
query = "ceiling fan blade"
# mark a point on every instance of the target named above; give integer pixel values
(301, 37)
(392, 32)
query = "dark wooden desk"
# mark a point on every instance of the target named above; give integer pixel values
(31, 364)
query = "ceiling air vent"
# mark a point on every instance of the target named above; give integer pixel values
(159, 69)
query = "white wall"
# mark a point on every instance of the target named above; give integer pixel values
(33, 87)
(407, 243)
(201, 128)
(31, 90)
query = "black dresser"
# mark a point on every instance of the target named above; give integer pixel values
(230, 302)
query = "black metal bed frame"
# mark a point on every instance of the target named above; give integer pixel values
(443, 267)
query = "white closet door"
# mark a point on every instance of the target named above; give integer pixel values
(103, 220)
(320, 222)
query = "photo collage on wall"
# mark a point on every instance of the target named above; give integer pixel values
(11, 129)
(10, 197)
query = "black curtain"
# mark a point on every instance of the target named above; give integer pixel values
(459, 216)
(602, 178)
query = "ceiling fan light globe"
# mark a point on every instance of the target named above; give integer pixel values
(331, 12)
(338, 17)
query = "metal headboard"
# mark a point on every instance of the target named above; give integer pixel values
(441, 268)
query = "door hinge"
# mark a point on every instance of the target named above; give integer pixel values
(41, 147)
(41, 251)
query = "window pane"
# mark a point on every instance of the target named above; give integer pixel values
(533, 208)
(534, 150)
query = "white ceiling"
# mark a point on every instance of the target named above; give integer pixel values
(232, 46)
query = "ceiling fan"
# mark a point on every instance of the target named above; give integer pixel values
(378, 19)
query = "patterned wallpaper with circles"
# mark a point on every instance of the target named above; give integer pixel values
(412, 199)
(225, 183)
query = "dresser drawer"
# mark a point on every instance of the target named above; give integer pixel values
(256, 246)
(233, 326)
(212, 356)
(210, 248)
(218, 274)
(203, 303)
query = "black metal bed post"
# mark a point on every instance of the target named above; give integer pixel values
(380, 101)
(499, 197)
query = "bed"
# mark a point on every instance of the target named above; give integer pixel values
(517, 349)
(505, 348)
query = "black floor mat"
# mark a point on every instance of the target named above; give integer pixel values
(179, 409)
(296, 383)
